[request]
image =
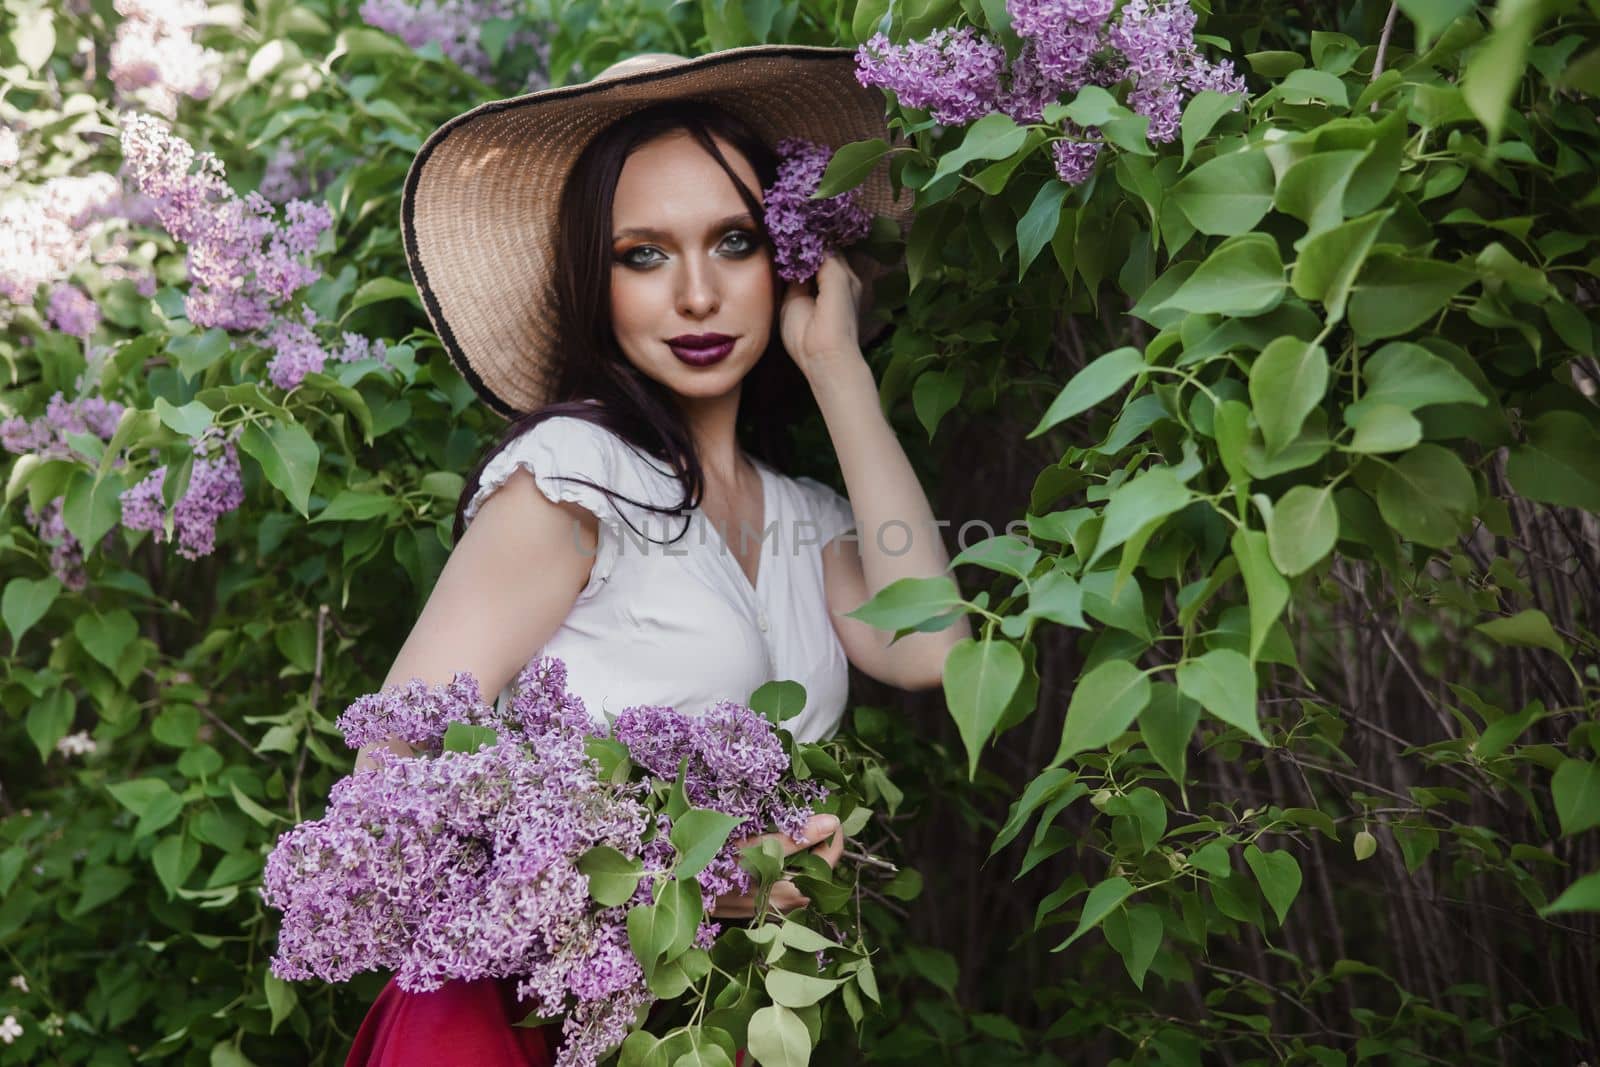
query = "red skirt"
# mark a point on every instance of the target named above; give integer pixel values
(460, 1024)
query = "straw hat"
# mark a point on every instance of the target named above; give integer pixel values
(479, 210)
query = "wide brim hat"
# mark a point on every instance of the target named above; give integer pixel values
(479, 209)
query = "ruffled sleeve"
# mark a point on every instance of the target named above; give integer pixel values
(554, 451)
(829, 510)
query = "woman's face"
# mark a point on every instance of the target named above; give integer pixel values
(689, 268)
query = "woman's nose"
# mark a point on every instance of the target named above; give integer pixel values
(698, 293)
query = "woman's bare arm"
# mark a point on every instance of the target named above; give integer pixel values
(507, 586)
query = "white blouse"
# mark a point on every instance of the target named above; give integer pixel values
(680, 623)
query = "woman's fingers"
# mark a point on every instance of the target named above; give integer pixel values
(817, 828)
(785, 897)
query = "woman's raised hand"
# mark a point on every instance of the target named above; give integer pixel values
(819, 328)
(827, 840)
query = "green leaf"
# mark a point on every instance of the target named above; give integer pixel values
(1427, 495)
(1224, 683)
(174, 859)
(92, 507)
(779, 1038)
(1242, 276)
(612, 876)
(1492, 74)
(1303, 86)
(1104, 704)
(464, 737)
(1432, 16)
(288, 457)
(34, 36)
(1560, 463)
(1530, 628)
(697, 834)
(935, 394)
(1582, 895)
(1097, 381)
(849, 166)
(1279, 876)
(380, 289)
(1303, 529)
(799, 990)
(351, 506)
(1227, 195)
(261, 815)
(1409, 376)
(779, 700)
(979, 680)
(151, 799)
(1287, 380)
(1203, 111)
(995, 136)
(1166, 725)
(1138, 504)
(196, 353)
(49, 719)
(1038, 224)
(1265, 588)
(1043, 788)
(1329, 261)
(1135, 932)
(25, 601)
(1576, 789)
(106, 637)
(1102, 898)
(1057, 596)
(1382, 428)
(191, 420)
(1395, 294)
(907, 602)
(281, 999)
(1313, 189)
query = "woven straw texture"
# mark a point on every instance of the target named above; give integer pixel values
(479, 206)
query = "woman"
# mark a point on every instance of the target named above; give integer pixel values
(596, 257)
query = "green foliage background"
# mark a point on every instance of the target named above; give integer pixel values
(1278, 742)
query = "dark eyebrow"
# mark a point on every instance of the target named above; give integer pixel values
(658, 235)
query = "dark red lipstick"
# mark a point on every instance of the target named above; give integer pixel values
(701, 349)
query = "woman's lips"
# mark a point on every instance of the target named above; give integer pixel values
(701, 355)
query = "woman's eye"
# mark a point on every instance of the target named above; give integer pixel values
(641, 255)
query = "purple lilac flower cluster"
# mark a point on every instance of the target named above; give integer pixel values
(242, 262)
(71, 310)
(465, 865)
(47, 434)
(155, 58)
(803, 230)
(736, 765)
(66, 553)
(959, 76)
(298, 351)
(454, 25)
(215, 488)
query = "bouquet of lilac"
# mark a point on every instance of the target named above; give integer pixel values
(524, 842)
(805, 230)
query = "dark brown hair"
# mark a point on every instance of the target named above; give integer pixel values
(589, 364)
